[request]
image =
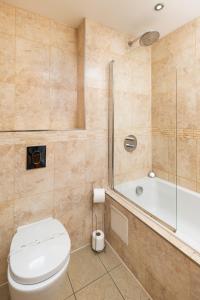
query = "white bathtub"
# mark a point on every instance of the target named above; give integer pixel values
(176, 206)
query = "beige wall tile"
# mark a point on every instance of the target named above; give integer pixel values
(194, 272)
(187, 158)
(132, 72)
(7, 18)
(7, 155)
(100, 37)
(186, 97)
(160, 156)
(36, 181)
(175, 59)
(123, 118)
(63, 68)
(63, 37)
(6, 213)
(63, 108)
(188, 184)
(32, 63)
(32, 107)
(32, 26)
(96, 101)
(198, 160)
(81, 41)
(96, 160)
(182, 45)
(34, 208)
(141, 111)
(172, 155)
(6, 232)
(78, 219)
(7, 106)
(34, 49)
(164, 110)
(7, 58)
(70, 163)
(197, 88)
(197, 35)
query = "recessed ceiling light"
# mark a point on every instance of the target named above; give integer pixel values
(159, 6)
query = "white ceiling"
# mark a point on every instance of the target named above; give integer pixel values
(131, 16)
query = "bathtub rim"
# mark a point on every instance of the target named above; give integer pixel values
(171, 228)
(155, 225)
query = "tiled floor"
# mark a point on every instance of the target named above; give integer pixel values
(93, 276)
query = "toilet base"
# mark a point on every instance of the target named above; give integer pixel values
(48, 289)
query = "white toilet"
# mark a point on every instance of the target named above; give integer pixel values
(38, 260)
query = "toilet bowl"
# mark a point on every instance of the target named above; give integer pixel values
(38, 260)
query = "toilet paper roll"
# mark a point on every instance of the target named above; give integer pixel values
(98, 240)
(99, 195)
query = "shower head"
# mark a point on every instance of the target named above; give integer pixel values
(146, 39)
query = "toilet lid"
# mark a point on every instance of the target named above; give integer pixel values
(38, 251)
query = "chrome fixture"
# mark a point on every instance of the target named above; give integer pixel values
(139, 190)
(146, 39)
(130, 143)
(159, 6)
(151, 174)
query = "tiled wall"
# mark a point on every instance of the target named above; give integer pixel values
(164, 271)
(175, 101)
(76, 159)
(132, 113)
(38, 62)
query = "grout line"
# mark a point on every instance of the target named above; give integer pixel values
(123, 263)
(108, 272)
(71, 287)
(76, 250)
(116, 286)
(88, 284)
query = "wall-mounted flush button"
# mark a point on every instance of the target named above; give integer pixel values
(36, 157)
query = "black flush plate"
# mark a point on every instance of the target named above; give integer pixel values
(36, 157)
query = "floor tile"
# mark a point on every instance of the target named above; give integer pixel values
(71, 298)
(4, 292)
(125, 281)
(109, 258)
(84, 268)
(65, 289)
(101, 289)
(144, 296)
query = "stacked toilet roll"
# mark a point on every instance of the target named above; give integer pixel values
(98, 238)
(98, 195)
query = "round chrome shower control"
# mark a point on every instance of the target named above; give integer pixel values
(130, 143)
(139, 190)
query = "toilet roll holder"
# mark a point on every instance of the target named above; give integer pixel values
(95, 223)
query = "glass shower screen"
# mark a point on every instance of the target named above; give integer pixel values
(142, 116)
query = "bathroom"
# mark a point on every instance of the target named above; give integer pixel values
(99, 130)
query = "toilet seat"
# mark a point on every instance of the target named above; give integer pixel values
(38, 251)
